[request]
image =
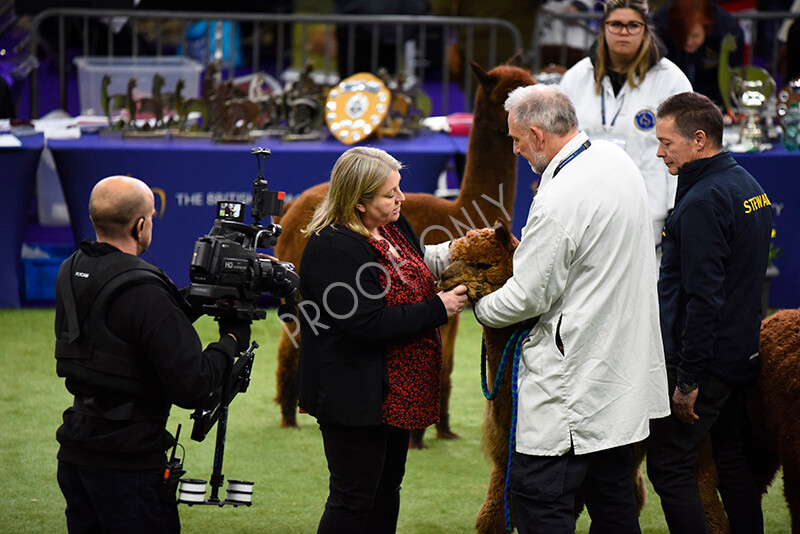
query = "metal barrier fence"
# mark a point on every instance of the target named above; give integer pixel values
(750, 18)
(426, 28)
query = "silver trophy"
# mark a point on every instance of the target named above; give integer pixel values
(751, 97)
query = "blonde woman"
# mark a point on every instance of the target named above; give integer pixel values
(617, 89)
(370, 353)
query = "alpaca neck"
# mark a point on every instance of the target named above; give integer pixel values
(495, 340)
(491, 165)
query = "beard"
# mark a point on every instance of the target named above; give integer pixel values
(539, 163)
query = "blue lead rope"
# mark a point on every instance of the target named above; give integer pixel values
(514, 345)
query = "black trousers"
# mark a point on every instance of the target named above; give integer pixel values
(672, 455)
(106, 500)
(544, 488)
(367, 465)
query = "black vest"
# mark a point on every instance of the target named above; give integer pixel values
(87, 352)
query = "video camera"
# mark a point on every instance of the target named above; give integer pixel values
(226, 267)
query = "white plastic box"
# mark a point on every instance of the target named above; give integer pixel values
(91, 71)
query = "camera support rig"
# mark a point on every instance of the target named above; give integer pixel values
(229, 275)
(215, 410)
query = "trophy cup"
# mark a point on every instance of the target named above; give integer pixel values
(751, 96)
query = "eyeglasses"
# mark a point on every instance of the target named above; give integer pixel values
(633, 28)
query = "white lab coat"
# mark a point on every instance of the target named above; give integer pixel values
(586, 259)
(635, 123)
(437, 258)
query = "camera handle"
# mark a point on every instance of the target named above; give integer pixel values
(259, 188)
(265, 202)
(261, 154)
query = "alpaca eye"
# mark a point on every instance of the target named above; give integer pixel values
(483, 266)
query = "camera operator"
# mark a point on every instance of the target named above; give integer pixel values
(128, 351)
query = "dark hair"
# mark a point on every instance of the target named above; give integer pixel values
(649, 53)
(693, 112)
(684, 14)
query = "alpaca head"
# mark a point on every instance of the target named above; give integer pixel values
(493, 91)
(481, 260)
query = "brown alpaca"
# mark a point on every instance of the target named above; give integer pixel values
(774, 439)
(483, 261)
(487, 193)
(773, 407)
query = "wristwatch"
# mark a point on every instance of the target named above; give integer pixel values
(686, 388)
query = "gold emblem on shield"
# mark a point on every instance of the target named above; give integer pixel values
(356, 107)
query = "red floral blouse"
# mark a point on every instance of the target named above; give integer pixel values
(414, 364)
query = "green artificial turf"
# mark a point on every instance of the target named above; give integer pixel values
(443, 488)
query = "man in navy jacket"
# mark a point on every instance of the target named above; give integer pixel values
(715, 249)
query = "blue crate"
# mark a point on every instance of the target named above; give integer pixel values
(40, 273)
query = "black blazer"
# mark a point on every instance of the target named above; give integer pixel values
(345, 326)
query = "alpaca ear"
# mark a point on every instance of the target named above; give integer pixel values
(503, 234)
(486, 80)
(515, 60)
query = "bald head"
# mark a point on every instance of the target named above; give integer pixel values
(116, 203)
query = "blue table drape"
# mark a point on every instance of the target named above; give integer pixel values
(190, 176)
(18, 171)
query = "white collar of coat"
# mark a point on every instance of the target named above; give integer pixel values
(571, 146)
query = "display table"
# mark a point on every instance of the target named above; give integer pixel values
(18, 169)
(190, 176)
(778, 172)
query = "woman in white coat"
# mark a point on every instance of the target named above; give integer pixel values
(617, 89)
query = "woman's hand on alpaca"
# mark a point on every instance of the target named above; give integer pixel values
(454, 300)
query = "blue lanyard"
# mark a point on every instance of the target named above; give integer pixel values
(572, 156)
(603, 109)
